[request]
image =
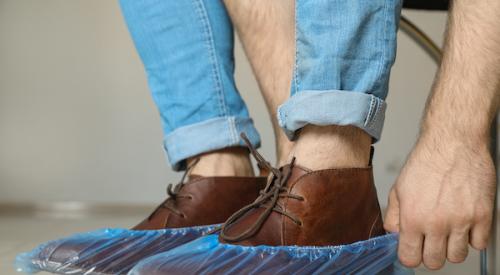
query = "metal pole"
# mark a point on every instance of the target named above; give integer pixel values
(488, 256)
(422, 39)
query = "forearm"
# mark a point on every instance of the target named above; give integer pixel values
(443, 197)
(466, 92)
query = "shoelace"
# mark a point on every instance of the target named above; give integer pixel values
(268, 198)
(173, 193)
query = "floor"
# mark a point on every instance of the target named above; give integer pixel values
(22, 232)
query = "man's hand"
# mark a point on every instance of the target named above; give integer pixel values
(441, 202)
(443, 198)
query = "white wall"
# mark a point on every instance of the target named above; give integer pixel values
(77, 122)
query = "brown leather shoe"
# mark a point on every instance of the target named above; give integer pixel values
(304, 207)
(199, 201)
(203, 201)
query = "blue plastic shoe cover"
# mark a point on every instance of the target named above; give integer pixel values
(104, 251)
(207, 256)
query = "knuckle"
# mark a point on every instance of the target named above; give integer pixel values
(410, 262)
(483, 212)
(482, 216)
(479, 243)
(462, 220)
(409, 247)
(434, 259)
(457, 256)
(408, 219)
(433, 265)
(437, 226)
(432, 256)
(389, 227)
(479, 239)
(409, 254)
(456, 259)
(412, 222)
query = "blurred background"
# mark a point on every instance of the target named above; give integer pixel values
(79, 131)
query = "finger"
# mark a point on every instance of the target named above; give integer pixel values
(479, 235)
(434, 255)
(458, 246)
(410, 248)
(391, 221)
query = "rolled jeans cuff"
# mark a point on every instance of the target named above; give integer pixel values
(206, 136)
(332, 107)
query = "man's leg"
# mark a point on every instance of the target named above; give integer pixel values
(187, 51)
(345, 50)
(325, 194)
(266, 29)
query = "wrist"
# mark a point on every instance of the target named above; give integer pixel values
(439, 141)
(463, 129)
(438, 155)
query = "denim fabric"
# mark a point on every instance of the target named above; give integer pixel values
(187, 50)
(344, 53)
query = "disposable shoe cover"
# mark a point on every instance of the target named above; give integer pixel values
(104, 251)
(207, 255)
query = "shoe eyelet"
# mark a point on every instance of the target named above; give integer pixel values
(182, 215)
(300, 223)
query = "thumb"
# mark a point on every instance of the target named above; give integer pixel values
(391, 221)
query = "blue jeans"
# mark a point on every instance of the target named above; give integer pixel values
(344, 53)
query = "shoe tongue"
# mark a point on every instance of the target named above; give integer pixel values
(297, 172)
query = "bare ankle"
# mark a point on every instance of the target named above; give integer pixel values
(234, 161)
(323, 147)
(283, 149)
